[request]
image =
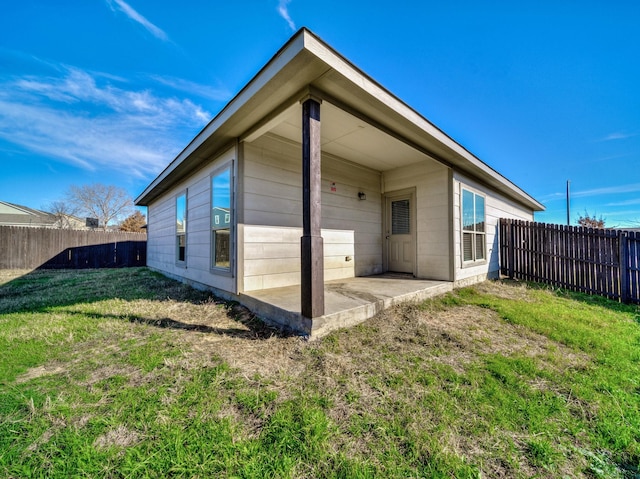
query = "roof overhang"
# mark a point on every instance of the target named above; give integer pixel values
(307, 65)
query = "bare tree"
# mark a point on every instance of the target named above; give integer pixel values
(134, 223)
(590, 221)
(107, 203)
(63, 212)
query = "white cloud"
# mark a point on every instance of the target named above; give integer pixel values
(552, 197)
(136, 17)
(284, 13)
(618, 135)
(81, 119)
(203, 91)
(610, 190)
(634, 201)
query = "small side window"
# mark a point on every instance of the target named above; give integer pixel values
(221, 219)
(181, 228)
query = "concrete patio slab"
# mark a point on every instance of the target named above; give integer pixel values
(347, 301)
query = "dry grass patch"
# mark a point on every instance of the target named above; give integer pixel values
(120, 437)
(469, 331)
(506, 289)
(40, 371)
(7, 275)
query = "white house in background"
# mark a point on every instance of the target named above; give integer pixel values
(315, 172)
(18, 215)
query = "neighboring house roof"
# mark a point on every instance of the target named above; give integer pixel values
(18, 215)
(357, 105)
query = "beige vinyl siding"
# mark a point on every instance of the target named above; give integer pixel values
(161, 234)
(272, 256)
(198, 223)
(431, 182)
(496, 206)
(273, 198)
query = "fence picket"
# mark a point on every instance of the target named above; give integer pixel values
(29, 248)
(593, 261)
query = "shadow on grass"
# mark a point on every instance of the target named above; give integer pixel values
(167, 323)
(254, 328)
(41, 291)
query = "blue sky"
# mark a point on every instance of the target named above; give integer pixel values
(110, 91)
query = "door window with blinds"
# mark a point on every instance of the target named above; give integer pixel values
(400, 217)
(473, 227)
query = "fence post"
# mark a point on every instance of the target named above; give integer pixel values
(622, 259)
(511, 248)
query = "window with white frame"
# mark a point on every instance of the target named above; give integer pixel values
(473, 227)
(221, 216)
(181, 227)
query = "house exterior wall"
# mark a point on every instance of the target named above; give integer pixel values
(268, 239)
(272, 224)
(431, 181)
(497, 206)
(161, 231)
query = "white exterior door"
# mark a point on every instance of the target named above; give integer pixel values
(400, 235)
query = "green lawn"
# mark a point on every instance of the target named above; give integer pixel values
(124, 373)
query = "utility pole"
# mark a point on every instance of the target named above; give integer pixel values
(568, 203)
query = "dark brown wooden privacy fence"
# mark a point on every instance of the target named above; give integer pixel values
(30, 248)
(594, 261)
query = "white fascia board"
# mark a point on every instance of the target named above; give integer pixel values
(271, 69)
(371, 87)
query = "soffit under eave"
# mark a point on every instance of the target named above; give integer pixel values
(366, 107)
(252, 104)
(415, 130)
